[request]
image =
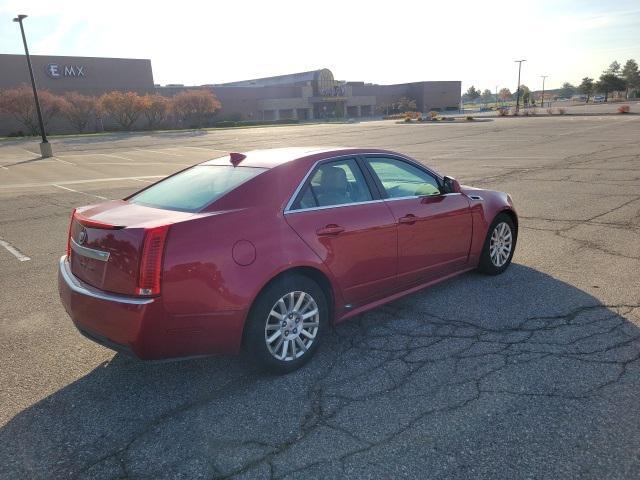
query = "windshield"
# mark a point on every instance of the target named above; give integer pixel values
(193, 189)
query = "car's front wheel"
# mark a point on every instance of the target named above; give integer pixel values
(499, 246)
(286, 323)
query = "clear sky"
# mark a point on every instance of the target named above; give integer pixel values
(198, 42)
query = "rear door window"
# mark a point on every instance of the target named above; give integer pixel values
(195, 188)
(334, 183)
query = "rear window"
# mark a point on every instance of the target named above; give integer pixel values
(191, 190)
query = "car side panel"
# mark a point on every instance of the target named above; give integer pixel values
(437, 241)
(485, 205)
(220, 263)
(363, 257)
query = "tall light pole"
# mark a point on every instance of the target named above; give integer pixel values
(544, 77)
(45, 146)
(496, 96)
(519, 62)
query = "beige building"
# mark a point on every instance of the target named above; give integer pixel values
(313, 95)
(88, 75)
(317, 95)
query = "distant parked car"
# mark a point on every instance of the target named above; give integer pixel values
(266, 249)
(598, 99)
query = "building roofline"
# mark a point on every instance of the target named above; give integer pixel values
(72, 56)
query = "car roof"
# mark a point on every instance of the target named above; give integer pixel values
(273, 157)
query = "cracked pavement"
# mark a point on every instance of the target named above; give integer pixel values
(531, 374)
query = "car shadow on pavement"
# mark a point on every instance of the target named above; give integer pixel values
(519, 375)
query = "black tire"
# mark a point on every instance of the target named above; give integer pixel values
(255, 337)
(486, 265)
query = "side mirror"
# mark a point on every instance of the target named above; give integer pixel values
(450, 185)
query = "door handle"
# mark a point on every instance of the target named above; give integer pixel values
(409, 219)
(331, 229)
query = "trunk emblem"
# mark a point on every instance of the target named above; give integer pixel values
(82, 237)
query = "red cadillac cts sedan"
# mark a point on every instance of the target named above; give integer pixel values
(265, 249)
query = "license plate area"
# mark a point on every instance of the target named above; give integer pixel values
(88, 264)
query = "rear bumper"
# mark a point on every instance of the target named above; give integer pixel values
(142, 326)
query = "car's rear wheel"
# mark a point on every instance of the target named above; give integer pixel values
(499, 246)
(286, 323)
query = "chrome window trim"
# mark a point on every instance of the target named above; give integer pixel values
(80, 287)
(381, 200)
(287, 208)
(397, 156)
(325, 207)
(89, 252)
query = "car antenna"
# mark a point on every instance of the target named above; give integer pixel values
(236, 158)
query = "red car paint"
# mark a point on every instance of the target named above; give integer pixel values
(217, 260)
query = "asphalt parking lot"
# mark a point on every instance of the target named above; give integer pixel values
(532, 374)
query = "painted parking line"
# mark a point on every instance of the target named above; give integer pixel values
(63, 161)
(159, 151)
(133, 164)
(77, 191)
(203, 148)
(14, 251)
(75, 182)
(114, 156)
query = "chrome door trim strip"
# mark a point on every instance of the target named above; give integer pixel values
(325, 207)
(80, 287)
(311, 209)
(287, 209)
(398, 156)
(89, 252)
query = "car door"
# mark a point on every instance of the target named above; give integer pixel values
(343, 220)
(434, 229)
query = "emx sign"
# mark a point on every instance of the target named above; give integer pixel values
(55, 70)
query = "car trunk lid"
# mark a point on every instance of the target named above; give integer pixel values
(107, 242)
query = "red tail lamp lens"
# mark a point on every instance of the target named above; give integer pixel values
(151, 261)
(73, 214)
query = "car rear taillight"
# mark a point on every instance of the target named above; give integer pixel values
(151, 261)
(73, 214)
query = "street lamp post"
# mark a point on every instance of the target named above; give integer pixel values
(544, 77)
(519, 62)
(45, 146)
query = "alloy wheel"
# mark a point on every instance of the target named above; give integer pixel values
(500, 244)
(292, 326)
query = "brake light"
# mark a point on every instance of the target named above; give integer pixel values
(151, 261)
(73, 214)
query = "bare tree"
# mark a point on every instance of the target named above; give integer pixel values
(79, 109)
(155, 109)
(19, 103)
(124, 108)
(195, 105)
